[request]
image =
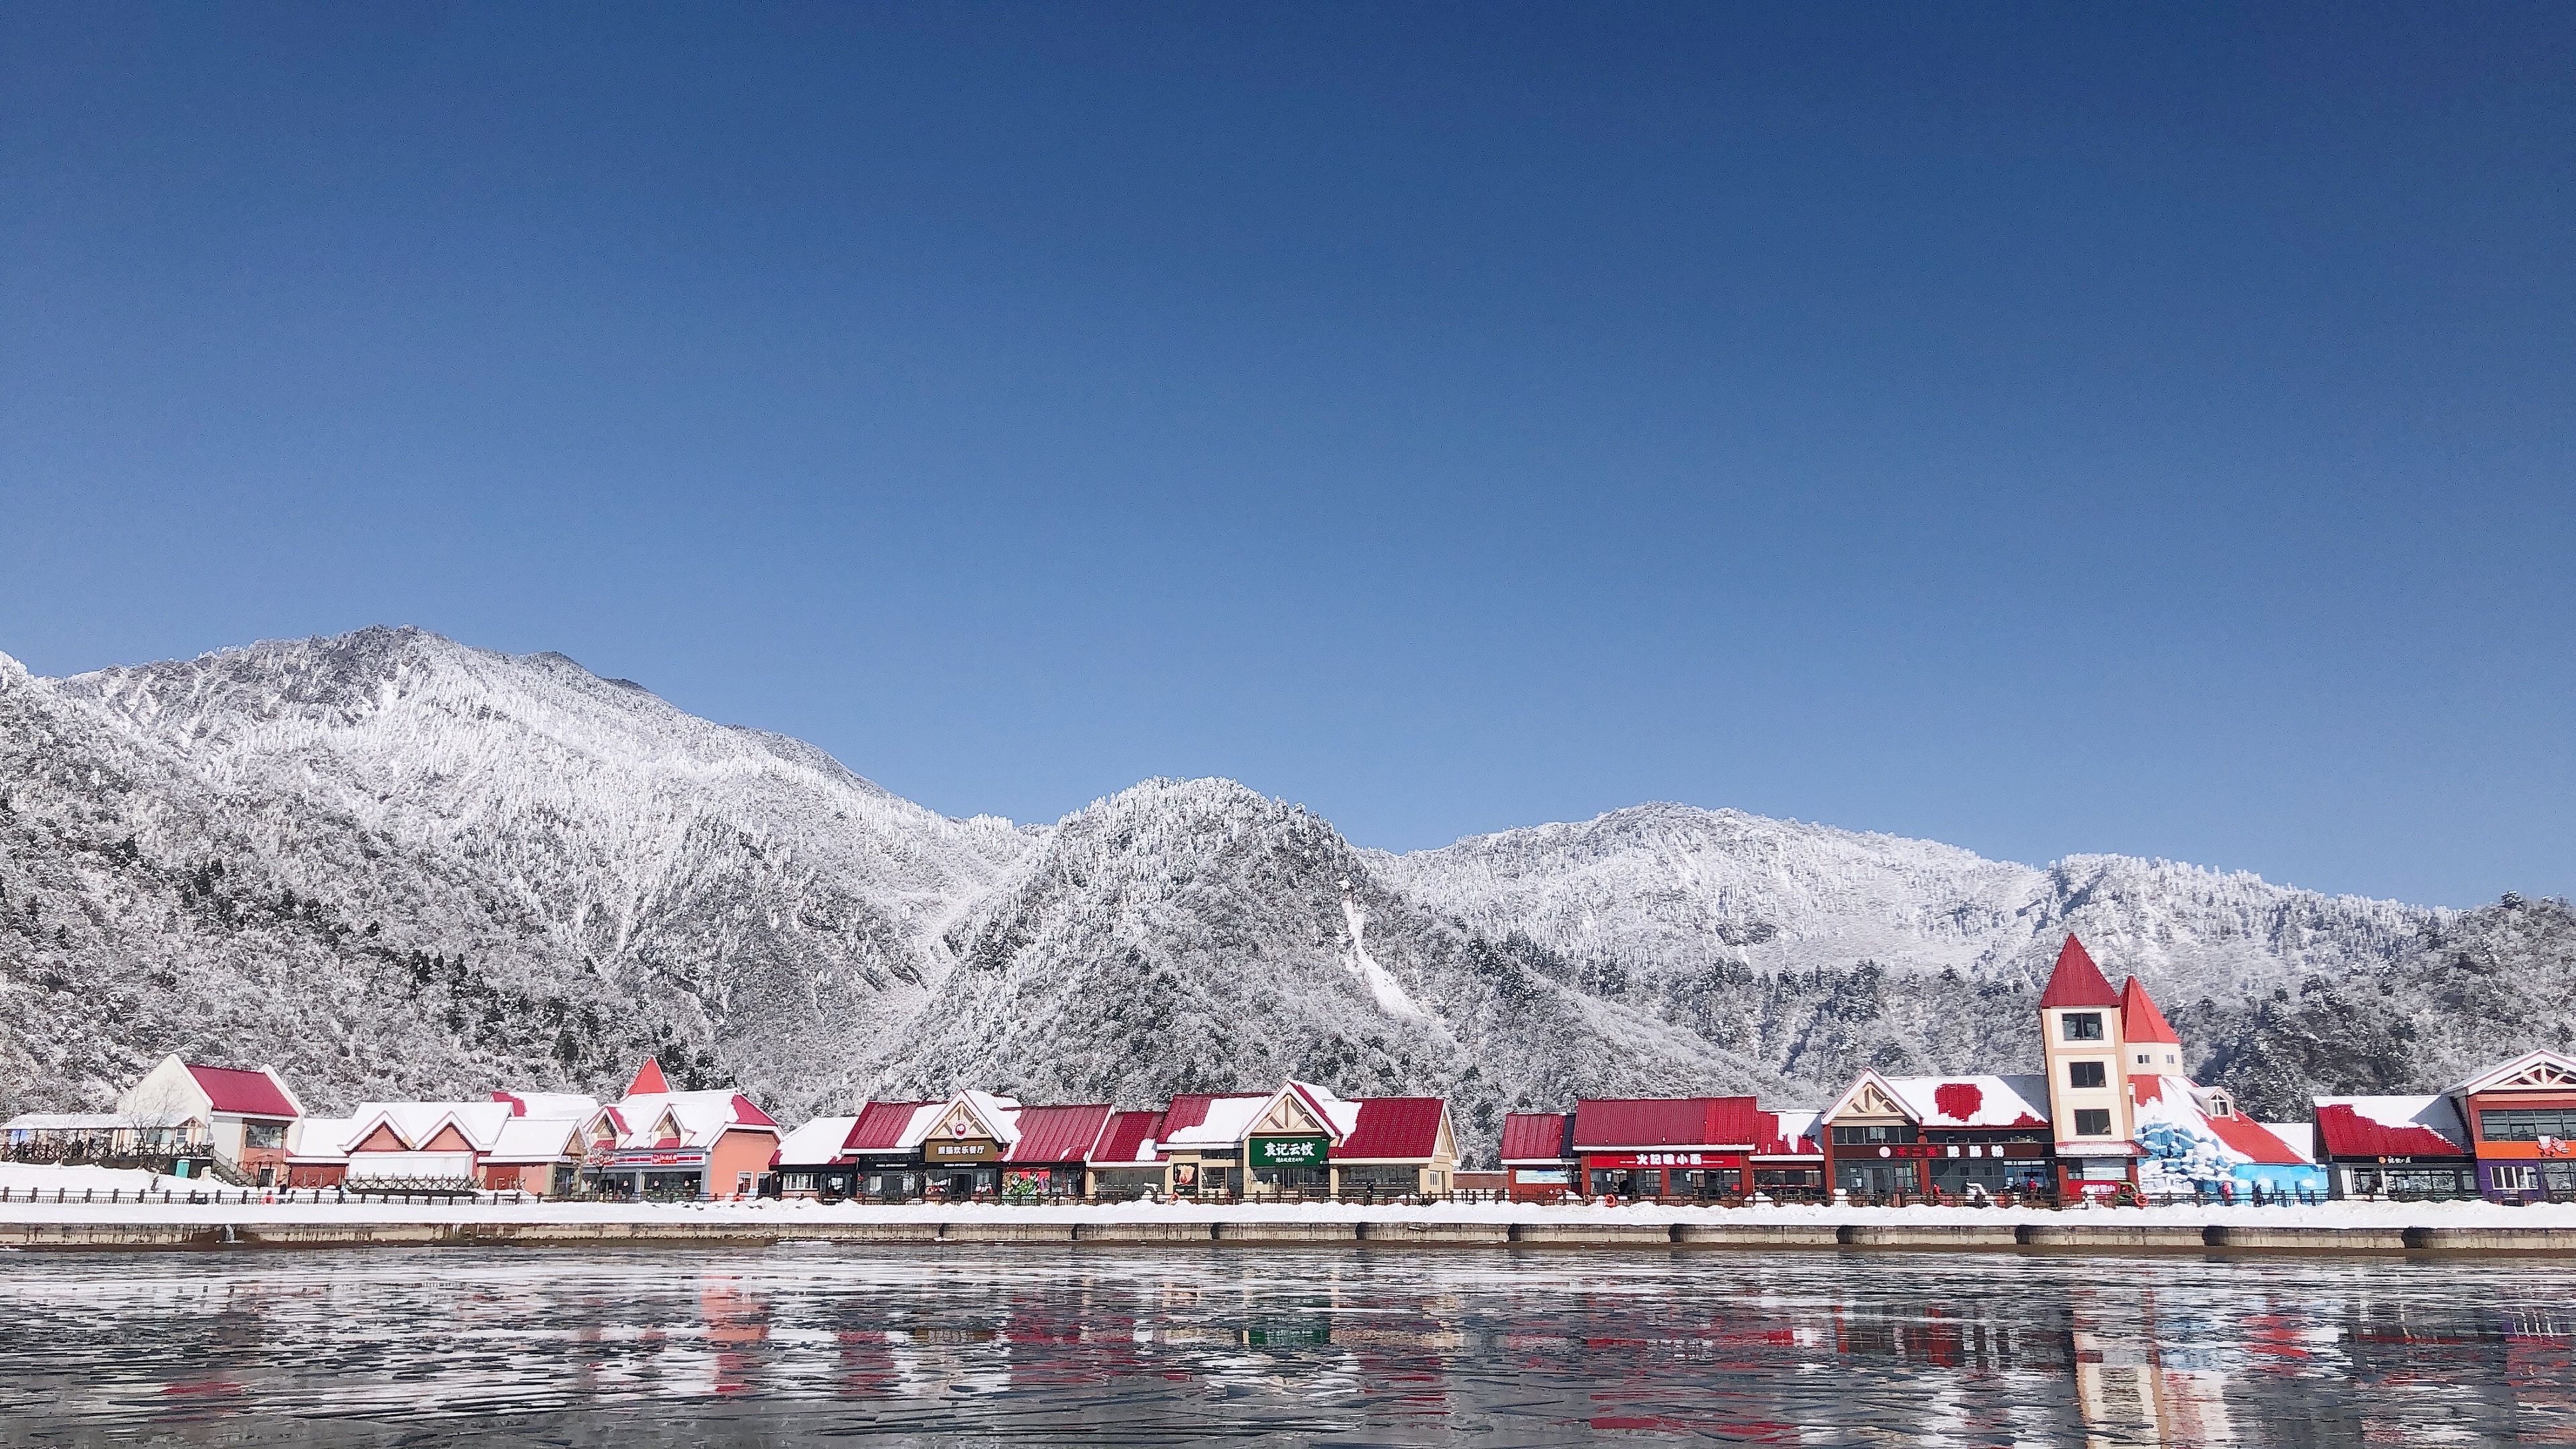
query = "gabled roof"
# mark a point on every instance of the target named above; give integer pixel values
(1127, 1139)
(1612, 1124)
(648, 1081)
(2076, 981)
(1973, 1101)
(1205, 1119)
(2392, 1127)
(1394, 1129)
(416, 1124)
(2139, 1019)
(890, 1126)
(996, 1117)
(1058, 1134)
(1538, 1136)
(2176, 1100)
(248, 1091)
(2541, 1070)
(537, 1139)
(701, 1117)
(816, 1144)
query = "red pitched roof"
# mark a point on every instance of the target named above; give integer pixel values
(1191, 1108)
(2076, 981)
(1403, 1128)
(2139, 1019)
(880, 1126)
(648, 1080)
(243, 1090)
(1537, 1136)
(748, 1115)
(2347, 1133)
(1614, 1123)
(1125, 1134)
(2242, 1133)
(1057, 1134)
(2255, 1140)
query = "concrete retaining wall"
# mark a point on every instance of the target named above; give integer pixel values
(2104, 1235)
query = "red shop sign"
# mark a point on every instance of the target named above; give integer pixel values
(1681, 1159)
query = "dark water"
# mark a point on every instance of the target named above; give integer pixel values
(1329, 1346)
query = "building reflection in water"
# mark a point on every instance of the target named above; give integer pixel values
(1464, 1346)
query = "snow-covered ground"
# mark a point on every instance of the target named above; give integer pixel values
(807, 1213)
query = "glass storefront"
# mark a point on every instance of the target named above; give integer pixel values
(1285, 1180)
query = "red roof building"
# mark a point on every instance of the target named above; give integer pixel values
(1688, 1147)
(1538, 1156)
(1051, 1155)
(1125, 1161)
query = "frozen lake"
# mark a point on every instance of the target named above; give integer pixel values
(1329, 1346)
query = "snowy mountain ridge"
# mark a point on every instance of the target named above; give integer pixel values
(393, 864)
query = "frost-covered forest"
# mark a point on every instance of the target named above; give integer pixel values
(392, 864)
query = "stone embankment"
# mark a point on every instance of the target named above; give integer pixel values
(2001, 1236)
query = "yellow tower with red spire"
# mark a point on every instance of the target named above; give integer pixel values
(2085, 1046)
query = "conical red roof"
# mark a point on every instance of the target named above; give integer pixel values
(2139, 1019)
(2076, 981)
(648, 1080)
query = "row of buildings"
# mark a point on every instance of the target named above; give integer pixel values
(2111, 1114)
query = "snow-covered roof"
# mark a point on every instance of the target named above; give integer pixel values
(700, 1118)
(1959, 1100)
(817, 1143)
(1974, 1100)
(537, 1139)
(2177, 1104)
(1794, 1133)
(549, 1104)
(320, 1139)
(414, 1125)
(2299, 1137)
(891, 1126)
(2392, 1127)
(1196, 1120)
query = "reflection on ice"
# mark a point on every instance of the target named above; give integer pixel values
(1495, 1348)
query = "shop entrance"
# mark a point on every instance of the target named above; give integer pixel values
(1875, 1179)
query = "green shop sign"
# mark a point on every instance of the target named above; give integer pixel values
(1289, 1151)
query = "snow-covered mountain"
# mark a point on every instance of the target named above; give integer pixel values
(393, 864)
(401, 864)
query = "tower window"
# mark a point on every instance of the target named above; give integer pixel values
(2092, 1122)
(2086, 1074)
(2083, 1026)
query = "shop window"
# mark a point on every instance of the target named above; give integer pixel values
(2092, 1122)
(2526, 1124)
(2082, 1026)
(1873, 1136)
(2087, 1074)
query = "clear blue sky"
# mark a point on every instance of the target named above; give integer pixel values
(2043, 429)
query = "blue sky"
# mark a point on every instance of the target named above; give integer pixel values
(2043, 429)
